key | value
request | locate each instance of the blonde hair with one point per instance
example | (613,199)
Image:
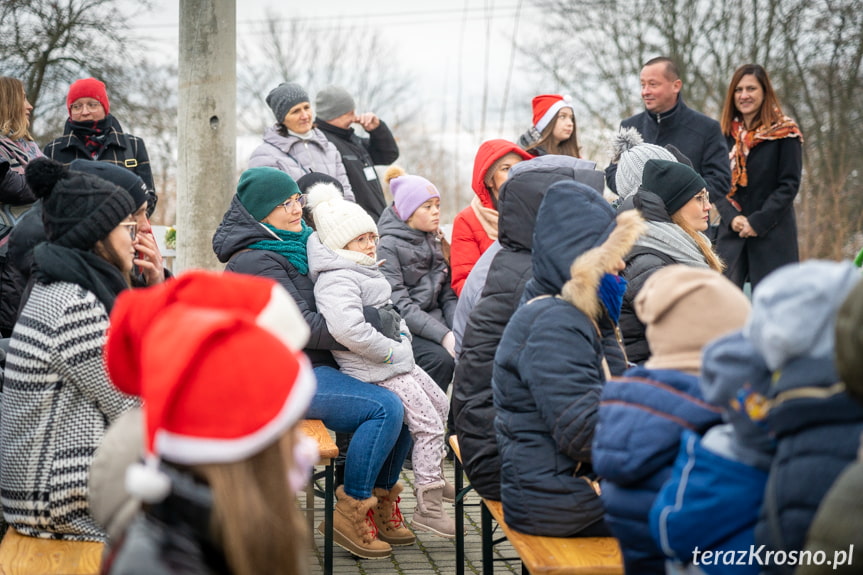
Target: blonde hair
(713,260)
(255,518)
(13,120)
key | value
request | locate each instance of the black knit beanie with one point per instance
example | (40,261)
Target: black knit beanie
(674,182)
(126,179)
(78,209)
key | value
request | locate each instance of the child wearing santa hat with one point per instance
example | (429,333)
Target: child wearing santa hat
(554,129)
(343,265)
(224,455)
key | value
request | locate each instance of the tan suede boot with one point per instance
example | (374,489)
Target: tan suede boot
(353,530)
(388,517)
(429,514)
(448,488)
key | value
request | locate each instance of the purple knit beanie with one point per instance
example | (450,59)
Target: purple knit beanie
(409,193)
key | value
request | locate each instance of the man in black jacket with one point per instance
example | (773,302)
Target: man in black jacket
(336,112)
(666,119)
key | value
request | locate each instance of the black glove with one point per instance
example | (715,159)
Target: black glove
(385,320)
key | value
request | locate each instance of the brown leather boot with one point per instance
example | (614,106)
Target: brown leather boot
(353,530)
(388,517)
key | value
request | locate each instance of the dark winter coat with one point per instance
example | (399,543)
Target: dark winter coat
(817,426)
(548,370)
(120,149)
(774,171)
(360,155)
(641,418)
(172,537)
(472,404)
(15,278)
(236,232)
(420,277)
(694,134)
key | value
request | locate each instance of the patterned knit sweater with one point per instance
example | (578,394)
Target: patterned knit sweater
(57,403)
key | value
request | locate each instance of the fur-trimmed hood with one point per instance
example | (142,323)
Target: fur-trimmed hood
(577,239)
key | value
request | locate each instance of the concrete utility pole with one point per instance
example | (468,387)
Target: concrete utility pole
(207,130)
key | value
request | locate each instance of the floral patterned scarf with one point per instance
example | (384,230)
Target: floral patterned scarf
(745,140)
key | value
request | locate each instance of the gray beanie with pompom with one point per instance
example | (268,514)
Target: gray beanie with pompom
(631,153)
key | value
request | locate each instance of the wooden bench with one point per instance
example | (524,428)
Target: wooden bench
(543,555)
(328,451)
(23,555)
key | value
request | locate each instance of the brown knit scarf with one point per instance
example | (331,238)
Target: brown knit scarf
(487,217)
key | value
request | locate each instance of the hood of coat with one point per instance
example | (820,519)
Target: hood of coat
(323,259)
(237,230)
(577,239)
(524,189)
(490,152)
(794,310)
(284,143)
(392,225)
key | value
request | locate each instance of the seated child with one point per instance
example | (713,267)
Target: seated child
(415,266)
(347,277)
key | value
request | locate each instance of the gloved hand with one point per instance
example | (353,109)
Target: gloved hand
(448,343)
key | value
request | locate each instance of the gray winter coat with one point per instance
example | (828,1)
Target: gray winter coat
(297,157)
(419,276)
(342,288)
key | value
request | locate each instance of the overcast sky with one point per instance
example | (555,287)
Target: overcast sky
(443,43)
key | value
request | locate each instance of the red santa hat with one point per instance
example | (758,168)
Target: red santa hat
(217,360)
(546,107)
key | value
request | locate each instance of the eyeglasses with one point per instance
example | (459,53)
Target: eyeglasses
(366,240)
(703,198)
(91,106)
(133,229)
(299,199)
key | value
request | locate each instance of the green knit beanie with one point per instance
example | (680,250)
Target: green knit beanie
(260,190)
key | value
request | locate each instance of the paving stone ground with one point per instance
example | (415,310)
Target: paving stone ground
(430,554)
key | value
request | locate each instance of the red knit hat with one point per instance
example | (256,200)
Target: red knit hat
(88,88)
(217,360)
(546,107)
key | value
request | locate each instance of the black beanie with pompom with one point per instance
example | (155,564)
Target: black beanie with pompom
(78,209)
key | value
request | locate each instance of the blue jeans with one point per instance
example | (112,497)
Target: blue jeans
(375,416)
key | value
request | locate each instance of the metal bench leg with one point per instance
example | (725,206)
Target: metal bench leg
(329,488)
(459,518)
(487,541)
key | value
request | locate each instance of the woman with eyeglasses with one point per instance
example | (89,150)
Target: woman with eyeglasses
(93,133)
(57,398)
(758,229)
(263,233)
(673,201)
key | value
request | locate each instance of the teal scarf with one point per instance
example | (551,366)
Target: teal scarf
(292,245)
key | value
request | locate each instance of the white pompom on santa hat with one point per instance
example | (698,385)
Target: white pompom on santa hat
(546,107)
(218,362)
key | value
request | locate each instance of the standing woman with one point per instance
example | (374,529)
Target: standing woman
(475,227)
(758,232)
(294,145)
(17,148)
(553,130)
(57,398)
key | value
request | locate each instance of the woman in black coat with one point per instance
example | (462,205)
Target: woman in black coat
(758,232)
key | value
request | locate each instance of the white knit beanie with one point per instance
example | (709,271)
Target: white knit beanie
(337,220)
(631,153)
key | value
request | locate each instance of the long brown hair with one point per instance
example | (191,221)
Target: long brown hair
(568,147)
(770,112)
(255,517)
(713,260)
(13,120)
